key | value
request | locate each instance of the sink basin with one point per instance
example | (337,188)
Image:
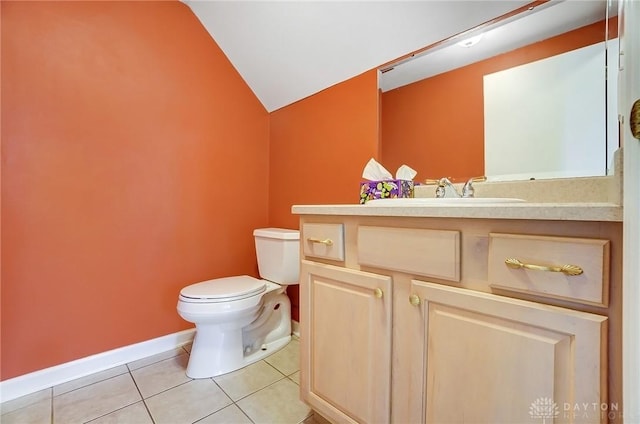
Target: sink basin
(446,201)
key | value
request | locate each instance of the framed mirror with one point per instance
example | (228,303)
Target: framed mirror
(525,96)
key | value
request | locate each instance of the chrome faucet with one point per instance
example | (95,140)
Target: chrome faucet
(445,186)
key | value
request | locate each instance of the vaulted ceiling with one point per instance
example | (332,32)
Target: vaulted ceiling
(289,50)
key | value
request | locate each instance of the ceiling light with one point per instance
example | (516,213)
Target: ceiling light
(470,41)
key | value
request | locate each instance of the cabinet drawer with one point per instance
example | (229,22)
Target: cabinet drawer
(538,263)
(432,253)
(323,241)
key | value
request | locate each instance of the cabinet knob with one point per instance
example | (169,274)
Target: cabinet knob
(327,242)
(378,293)
(414,299)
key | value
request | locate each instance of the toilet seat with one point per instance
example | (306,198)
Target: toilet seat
(226,289)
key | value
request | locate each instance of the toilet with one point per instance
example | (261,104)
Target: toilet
(241,319)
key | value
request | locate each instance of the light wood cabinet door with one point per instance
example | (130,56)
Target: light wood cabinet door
(493,359)
(345,338)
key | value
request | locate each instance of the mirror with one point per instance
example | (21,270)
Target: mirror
(529,100)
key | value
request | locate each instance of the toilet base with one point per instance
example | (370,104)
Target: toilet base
(210,361)
(219,348)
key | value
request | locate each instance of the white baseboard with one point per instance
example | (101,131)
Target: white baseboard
(49,377)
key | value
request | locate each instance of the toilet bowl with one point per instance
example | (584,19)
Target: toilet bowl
(241,319)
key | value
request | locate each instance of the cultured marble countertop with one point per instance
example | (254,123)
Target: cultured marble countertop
(526,210)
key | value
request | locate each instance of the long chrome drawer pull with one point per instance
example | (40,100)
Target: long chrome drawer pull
(565,269)
(328,242)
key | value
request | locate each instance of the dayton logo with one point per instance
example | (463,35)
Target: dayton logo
(544,408)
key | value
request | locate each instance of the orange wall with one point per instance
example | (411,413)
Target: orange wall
(319,147)
(436,125)
(134,162)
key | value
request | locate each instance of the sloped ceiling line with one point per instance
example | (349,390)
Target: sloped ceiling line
(289,50)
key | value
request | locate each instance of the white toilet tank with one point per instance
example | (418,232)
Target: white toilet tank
(278,253)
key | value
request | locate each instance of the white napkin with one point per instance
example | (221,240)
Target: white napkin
(373,171)
(405,173)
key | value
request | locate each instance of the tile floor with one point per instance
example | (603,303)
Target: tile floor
(156,390)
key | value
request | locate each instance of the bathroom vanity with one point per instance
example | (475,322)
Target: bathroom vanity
(412,315)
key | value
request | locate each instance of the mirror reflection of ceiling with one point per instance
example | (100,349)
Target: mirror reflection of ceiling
(543,22)
(289,50)
(558,76)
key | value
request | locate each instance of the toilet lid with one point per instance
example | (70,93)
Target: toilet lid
(224,289)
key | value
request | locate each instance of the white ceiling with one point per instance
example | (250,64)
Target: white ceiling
(545,21)
(289,50)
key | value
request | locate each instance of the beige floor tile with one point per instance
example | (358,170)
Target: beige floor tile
(287,359)
(278,403)
(36,413)
(188,402)
(162,375)
(295,377)
(132,414)
(95,400)
(230,414)
(262,391)
(247,380)
(90,379)
(155,358)
(21,402)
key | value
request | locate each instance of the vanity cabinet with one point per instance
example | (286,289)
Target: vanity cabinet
(421,321)
(491,359)
(346,353)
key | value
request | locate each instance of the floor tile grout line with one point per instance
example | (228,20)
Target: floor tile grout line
(53,395)
(51,406)
(165,390)
(115,410)
(122,407)
(284,377)
(156,362)
(26,405)
(141,397)
(256,391)
(130,371)
(311,412)
(277,369)
(265,387)
(244,413)
(215,412)
(144,400)
(220,409)
(222,389)
(281,375)
(153,421)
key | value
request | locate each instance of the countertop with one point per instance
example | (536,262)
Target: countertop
(538,211)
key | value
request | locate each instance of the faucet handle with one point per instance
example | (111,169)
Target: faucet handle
(477,179)
(444,183)
(468,190)
(437,181)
